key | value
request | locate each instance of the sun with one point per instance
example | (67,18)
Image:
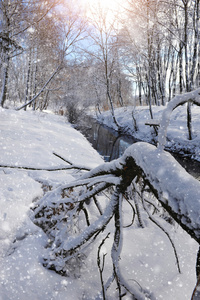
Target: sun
(110,7)
(104,4)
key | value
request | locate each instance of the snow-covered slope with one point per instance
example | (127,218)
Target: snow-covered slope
(29,139)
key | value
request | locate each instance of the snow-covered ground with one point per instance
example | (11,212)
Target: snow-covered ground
(29,139)
(177,133)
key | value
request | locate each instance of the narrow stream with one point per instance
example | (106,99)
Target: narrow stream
(111,146)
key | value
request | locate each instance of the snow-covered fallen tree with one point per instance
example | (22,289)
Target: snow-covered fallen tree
(142,168)
(73,215)
(156,171)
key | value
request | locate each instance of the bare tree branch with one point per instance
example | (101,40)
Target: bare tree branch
(101,267)
(42,89)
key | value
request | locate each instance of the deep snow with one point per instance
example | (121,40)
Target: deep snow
(28,139)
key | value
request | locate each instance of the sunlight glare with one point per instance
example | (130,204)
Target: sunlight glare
(111,7)
(105,4)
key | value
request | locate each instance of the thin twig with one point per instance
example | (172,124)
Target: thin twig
(134,213)
(67,161)
(164,230)
(97,205)
(101,268)
(86,216)
(38,169)
(74,166)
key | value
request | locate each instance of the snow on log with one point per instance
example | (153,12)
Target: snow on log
(177,190)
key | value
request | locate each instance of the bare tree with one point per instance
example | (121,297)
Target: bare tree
(104,48)
(17,17)
(68,29)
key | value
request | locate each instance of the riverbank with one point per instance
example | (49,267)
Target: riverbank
(177,133)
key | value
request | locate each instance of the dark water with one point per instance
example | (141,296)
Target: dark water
(106,141)
(111,146)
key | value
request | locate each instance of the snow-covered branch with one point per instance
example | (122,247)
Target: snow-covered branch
(176,190)
(193,96)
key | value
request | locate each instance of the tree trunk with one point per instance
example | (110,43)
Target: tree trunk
(189,121)
(180,56)
(108,92)
(121,102)
(28,80)
(112,109)
(196,44)
(188,85)
(35,87)
(5,83)
(149,45)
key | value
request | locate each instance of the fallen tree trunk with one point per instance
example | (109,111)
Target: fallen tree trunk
(175,189)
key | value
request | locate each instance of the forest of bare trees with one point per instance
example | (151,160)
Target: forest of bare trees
(153,52)
(144,56)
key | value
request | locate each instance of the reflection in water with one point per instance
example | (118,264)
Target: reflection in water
(111,146)
(107,142)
